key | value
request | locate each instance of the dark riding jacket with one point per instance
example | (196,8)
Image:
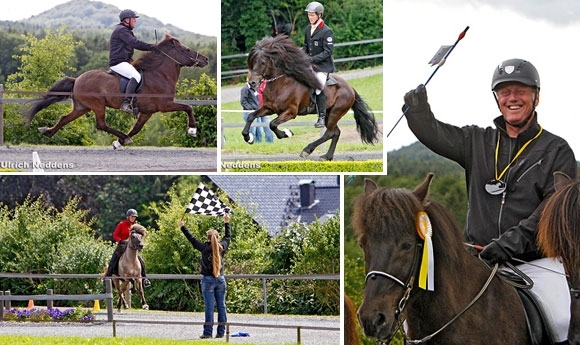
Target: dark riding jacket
(206,251)
(510,218)
(122,45)
(248,98)
(319,46)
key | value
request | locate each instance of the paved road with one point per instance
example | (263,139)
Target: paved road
(71,159)
(232,93)
(188,326)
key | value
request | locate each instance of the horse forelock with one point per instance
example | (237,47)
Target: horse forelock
(390,213)
(281,53)
(139,229)
(559,227)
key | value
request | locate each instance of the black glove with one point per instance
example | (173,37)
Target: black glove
(493,253)
(416,101)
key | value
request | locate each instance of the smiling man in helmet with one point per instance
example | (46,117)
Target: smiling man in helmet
(121,48)
(509,175)
(319,44)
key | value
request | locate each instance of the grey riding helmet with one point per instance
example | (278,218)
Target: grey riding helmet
(315,7)
(131,212)
(127,14)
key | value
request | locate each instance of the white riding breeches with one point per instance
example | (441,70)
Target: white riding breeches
(552,293)
(127,70)
(321,76)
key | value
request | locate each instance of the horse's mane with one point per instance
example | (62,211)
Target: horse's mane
(558,227)
(350,323)
(148,60)
(283,54)
(396,210)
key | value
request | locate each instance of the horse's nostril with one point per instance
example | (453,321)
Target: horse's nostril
(381,318)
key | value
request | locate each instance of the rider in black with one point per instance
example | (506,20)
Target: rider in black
(121,47)
(319,44)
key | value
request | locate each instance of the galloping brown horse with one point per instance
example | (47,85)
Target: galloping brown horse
(387,223)
(130,268)
(97,89)
(285,78)
(559,236)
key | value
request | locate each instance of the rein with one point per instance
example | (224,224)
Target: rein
(195,63)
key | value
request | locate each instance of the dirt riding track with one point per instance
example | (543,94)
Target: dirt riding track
(73,159)
(279,331)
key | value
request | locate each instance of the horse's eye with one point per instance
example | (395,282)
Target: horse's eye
(407,245)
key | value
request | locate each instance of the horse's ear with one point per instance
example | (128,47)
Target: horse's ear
(370,186)
(421,190)
(561,180)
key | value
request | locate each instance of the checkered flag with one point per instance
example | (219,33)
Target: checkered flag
(205,202)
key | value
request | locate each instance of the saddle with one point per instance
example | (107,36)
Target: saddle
(539,332)
(123,81)
(311,109)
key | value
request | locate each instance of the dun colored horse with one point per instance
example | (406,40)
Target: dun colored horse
(559,236)
(285,78)
(390,225)
(130,268)
(97,89)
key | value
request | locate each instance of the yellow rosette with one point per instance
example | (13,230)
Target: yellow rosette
(427,271)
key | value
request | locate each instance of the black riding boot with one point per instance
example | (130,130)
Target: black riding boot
(321,105)
(113,264)
(146,282)
(128,105)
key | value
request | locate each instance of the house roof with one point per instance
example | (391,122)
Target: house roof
(275,200)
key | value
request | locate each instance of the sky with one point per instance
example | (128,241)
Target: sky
(459,93)
(201,17)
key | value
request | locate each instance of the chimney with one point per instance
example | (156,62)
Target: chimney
(307,193)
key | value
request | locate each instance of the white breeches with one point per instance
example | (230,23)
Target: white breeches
(552,292)
(127,70)
(321,76)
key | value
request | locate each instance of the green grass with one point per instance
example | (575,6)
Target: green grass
(34,340)
(371,90)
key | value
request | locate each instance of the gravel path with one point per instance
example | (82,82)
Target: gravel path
(70,159)
(190,328)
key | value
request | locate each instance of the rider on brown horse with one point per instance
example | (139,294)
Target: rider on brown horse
(319,44)
(121,47)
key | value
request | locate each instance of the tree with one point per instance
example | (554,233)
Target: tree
(44,60)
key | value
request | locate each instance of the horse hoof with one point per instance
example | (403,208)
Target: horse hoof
(128,141)
(192,131)
(325,159)
(304,154)
(42,130)
(288,132)
(116,144)
(145,307)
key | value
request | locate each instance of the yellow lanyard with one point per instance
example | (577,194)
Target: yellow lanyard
(516,156)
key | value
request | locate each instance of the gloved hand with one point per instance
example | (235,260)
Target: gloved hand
(493,253)
(155,49)
(416,101)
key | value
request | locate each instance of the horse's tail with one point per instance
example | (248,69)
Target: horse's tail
(365,120)
(66,84)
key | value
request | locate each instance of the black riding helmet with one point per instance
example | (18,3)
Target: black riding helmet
(517,70)
(127,14)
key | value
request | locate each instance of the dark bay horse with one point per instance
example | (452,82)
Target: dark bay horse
(283,73)
(559,236)
(97,89)
(350,323)
(130,268)
(460,309)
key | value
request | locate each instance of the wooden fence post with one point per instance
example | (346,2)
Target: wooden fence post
(109,289)
(7,303)
(49,303)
